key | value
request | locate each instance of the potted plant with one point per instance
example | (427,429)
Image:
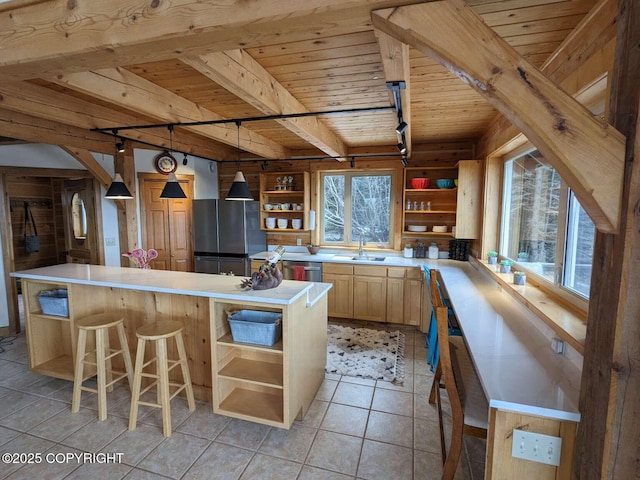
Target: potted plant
(523,257)
(505,266)
(519,278)
(492,257)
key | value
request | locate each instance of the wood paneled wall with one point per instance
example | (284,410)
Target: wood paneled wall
(440,154)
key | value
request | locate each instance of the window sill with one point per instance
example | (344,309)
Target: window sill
(569,324)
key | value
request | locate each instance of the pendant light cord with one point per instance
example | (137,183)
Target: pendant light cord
(238,125)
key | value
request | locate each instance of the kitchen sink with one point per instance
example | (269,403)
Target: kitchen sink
(363,258)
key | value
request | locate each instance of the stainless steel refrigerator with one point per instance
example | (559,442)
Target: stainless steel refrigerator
(225,234)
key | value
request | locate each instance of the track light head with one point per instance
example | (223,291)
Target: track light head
(120,146)
(402,127)
(405,161)
(402,147)
(353,162)
(185,159)
(264,165)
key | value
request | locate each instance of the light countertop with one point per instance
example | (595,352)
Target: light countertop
(328,256)
(184,283)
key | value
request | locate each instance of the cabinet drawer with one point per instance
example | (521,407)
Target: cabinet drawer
(367,271)
(337,268)
(414,273)
(396,272)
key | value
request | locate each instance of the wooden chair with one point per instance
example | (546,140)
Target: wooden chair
(456,374)
(100,359)
(159,332)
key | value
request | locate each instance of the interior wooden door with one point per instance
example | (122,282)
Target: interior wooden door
(80,226)
(166,223)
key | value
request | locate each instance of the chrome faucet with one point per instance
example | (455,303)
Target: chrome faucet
(361,244)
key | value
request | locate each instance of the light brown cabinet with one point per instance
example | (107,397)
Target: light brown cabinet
(379,294)
(459,206)
(285,196)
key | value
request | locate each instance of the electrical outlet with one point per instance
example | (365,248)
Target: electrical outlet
(110,241)
(536,447)
(557,345)
(299,242)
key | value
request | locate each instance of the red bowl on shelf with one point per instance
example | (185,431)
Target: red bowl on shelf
(419,183)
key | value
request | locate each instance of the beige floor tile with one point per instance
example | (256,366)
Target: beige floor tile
(204,423)
(345,419)
(136,444)
(33,414)
(423,409)
(264,467)
(360,381)
(326,390)
(426,466)
(93,436)
(426,435)
(332,376)
(313,473)
(63,424)
(315,414)
(174,455)
(241,433)
(335,452)
(421,367)
(292,444)
(391,401)
(219,462)
(390,428)
(406,386)
(354,395)
(23,443)
(422,384)
(381,461)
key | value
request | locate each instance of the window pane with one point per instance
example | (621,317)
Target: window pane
(533,213)
(370,207)
(333,208)
(579,252)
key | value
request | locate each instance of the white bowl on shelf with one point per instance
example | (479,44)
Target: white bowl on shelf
(439,229)
(417,228)
(283,222)
(270,222)
(296,223)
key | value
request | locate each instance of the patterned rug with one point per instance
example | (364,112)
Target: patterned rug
(365,353)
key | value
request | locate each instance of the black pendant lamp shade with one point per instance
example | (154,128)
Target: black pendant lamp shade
(118,190)
(239,189)
(172,188)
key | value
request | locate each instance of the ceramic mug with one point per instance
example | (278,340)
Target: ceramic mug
(285,206)
(283,223)
(268,206)
(299,206)
(296,223)
(270,222)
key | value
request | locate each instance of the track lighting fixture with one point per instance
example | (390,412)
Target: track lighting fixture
(353,162)
(405,161)
(172,188)
(402,147)
(120,146)
(239,189)
(402,127)
(185,160)
(264,165)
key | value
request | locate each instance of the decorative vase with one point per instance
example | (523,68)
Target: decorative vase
(519,279)
(505,267)
(493,260)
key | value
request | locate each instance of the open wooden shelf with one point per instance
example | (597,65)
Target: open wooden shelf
(254,371)
(253,405)
(38,314)
(227,340)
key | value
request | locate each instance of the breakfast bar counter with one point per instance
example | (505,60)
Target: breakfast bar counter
(266,384)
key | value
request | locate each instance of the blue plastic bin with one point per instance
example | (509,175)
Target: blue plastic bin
(54,302)
(255,326)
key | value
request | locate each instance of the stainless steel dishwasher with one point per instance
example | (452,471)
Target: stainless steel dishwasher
(312,270)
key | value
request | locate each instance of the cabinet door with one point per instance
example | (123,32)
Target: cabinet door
(370,298)
(469,198)
(412,302)
(340,297)
(395,300)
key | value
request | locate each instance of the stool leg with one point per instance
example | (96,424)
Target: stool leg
(182,355)
(108,371)
(101,373)
(135,389)
(124,346)
(162,364)
(78,370)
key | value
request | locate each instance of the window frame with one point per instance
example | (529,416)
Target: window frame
(348,242)
(556,286)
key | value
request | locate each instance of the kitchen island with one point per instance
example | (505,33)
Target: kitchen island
(270,385)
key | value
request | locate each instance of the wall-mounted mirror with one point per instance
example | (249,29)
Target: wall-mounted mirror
(79,218)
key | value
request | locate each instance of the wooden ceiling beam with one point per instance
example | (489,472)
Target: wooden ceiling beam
(121,87)
(588,154)
(242,75)
(39,101)
(87,160)
(395,62)
(49,38)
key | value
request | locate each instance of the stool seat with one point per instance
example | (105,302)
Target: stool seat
(159,332)
(100,358)
(160,329)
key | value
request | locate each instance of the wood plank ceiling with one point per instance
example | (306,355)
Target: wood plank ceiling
(334,66)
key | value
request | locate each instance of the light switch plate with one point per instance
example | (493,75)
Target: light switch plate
(536,447)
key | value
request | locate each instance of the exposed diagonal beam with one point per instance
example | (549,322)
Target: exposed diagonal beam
(53,37)
(121,87)
(85,158)
(395,62)
(588,154)
(30,99)
(243,76)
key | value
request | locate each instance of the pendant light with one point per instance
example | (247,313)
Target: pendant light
(239,189)
(172,188)
(118,190)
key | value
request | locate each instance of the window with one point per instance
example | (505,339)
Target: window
(353,203)
(544,228)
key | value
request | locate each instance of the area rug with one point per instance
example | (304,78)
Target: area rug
(365,353)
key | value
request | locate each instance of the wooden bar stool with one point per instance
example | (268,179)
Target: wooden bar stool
(100,358)
(159,332)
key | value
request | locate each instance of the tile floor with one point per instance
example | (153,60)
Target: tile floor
(355,429)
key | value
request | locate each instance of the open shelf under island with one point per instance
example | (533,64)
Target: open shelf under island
(270,385)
